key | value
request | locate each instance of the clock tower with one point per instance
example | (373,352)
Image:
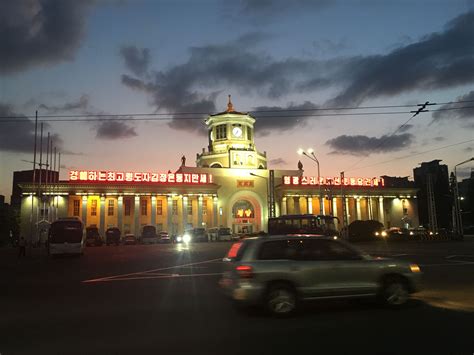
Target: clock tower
(231,142)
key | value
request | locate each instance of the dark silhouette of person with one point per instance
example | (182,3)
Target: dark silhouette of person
(22,247)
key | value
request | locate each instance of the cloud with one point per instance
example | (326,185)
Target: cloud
(114,130)
(266,122)
(81,104)
(437,61)
(405,128)
(40,32)
(18,136)
(364,145)
(439,139)
(278,161)
(270,10)
(136,60)
(451,111)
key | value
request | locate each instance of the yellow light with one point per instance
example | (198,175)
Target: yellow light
(310,150)
(415,268)
(384,234)
(300,151)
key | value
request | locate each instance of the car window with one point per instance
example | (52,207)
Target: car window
(279,249)
(326,250)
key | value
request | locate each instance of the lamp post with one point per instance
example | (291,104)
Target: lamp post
(310,155)
(268,193)
(457,204)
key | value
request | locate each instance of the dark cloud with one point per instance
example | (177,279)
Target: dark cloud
(19,136)
(268,10)
(136,60)
(81,104)
(280,118)
(405,128)
(38,32)
(278,161)
(452,111)
(438,61)
(364,145)
(114,130)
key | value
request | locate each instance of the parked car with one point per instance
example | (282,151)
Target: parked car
(129,239)
(195,235)
(219,234)
(365,230)
(164,237)
(281,271)
(112,236)
(149,235)
(93,237)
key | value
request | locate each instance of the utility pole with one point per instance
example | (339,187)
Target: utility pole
(34,182)
(345,226)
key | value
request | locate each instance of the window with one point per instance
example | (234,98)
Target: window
(94,208)
(279,249)
(144,207)
(221,131)
(326,250)
(110,210)
(190,207)
(128,206)
(175,208)
(249,133)
(204,206)
(76,208)
(159,207)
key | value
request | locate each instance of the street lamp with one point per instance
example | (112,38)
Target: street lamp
(268,193)
(309,153)
(457,204)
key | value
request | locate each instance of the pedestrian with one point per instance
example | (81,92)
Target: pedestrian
(22,245)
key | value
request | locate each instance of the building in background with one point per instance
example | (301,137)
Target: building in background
(466,196)
(434,196)
(230,185)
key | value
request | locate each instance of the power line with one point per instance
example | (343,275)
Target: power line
(148,116)
(173,115)
(415,154)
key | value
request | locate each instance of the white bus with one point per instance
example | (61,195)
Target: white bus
(66,236)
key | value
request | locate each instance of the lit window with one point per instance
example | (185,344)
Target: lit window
(159,207)
(204,207)
(190,207)
(128,206)
(144,207)
(76,209)
(94,208)
(110,210)
(174,210)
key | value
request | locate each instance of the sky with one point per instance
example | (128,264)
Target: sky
(305,61)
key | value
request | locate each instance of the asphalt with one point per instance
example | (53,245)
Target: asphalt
(164,299)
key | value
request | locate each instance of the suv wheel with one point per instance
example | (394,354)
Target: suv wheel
(395,292)
(281,300)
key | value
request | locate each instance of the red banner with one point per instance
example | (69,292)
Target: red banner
(138,177)
(335,181)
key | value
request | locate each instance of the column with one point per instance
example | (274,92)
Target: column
(185,212)
(334,211)
(323,205)
(310,205)
(199,211)
(169,216)
(102,215)
(348,213)
(284,208)
(381,211)
(153,211)
(84,210)
(120,213)
(216,215)
(358,214)
(136,216)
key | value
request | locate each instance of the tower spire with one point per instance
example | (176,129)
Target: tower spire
(230,107)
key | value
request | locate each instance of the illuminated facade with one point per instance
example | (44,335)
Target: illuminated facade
(230,186)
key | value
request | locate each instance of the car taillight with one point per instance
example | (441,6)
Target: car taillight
(234,249)
(244,271)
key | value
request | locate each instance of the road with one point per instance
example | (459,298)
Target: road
(164,299)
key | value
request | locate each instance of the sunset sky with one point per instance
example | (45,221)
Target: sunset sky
(69,57)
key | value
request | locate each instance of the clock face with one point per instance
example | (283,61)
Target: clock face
(237,131)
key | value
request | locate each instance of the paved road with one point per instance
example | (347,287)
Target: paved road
(164,299)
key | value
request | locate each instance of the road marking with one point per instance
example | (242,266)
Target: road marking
(148,271)
(169,276)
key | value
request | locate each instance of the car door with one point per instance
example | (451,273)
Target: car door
(328,268)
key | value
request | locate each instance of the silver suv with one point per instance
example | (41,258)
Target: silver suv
(280,271)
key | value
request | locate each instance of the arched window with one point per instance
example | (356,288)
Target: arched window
(216,165)
(250,160)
